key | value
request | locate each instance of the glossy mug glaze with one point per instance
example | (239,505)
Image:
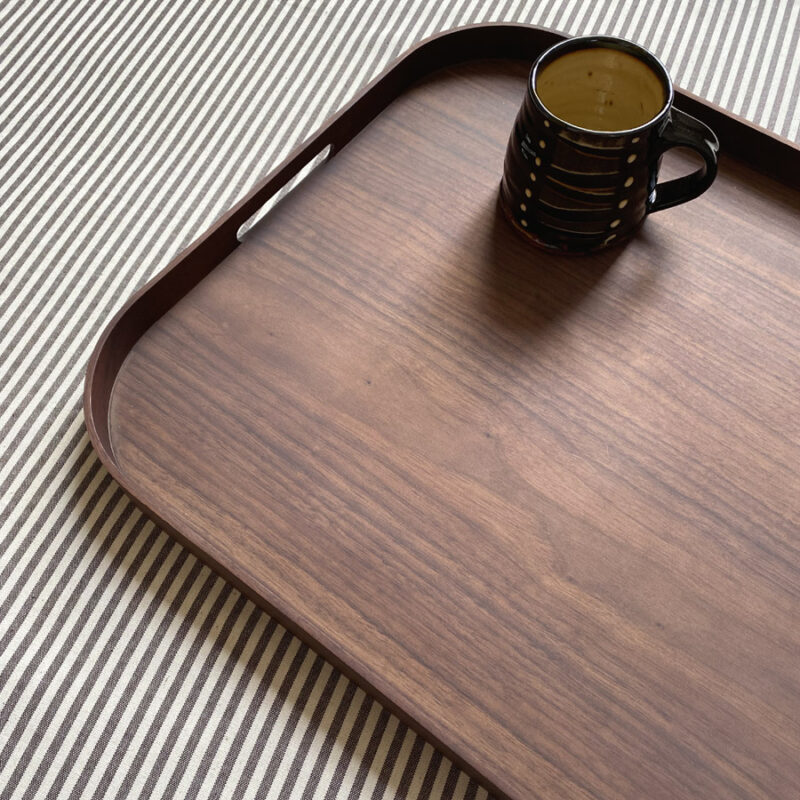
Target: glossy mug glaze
(581,168)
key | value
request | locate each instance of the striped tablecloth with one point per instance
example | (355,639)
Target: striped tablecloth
(127,669)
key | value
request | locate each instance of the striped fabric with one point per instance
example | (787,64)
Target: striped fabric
(126,668)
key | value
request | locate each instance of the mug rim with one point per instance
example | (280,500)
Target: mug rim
(611,43)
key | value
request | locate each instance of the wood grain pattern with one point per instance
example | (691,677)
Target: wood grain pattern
(547,508)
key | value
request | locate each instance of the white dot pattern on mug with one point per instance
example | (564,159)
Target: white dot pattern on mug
(583,201)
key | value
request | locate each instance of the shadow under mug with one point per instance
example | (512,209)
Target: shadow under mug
(581,168)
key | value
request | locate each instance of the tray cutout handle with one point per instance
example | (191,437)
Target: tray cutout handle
(320,158)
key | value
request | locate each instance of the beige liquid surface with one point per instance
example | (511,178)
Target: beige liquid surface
(601,89)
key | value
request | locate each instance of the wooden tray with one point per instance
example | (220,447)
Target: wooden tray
(545,508)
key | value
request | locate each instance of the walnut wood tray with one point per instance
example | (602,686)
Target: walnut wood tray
(546,508)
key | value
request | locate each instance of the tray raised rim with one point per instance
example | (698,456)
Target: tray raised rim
(759,148)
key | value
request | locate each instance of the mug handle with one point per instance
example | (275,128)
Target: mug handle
(683,130)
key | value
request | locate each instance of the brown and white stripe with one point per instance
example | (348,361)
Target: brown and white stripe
(127,669)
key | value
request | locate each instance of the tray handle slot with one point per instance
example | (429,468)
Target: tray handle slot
(288,187)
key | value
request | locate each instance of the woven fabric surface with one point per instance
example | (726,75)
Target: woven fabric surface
(128,669)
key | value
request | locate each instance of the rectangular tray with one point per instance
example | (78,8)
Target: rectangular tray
(546,508)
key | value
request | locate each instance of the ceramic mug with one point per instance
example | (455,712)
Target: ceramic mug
(581,168)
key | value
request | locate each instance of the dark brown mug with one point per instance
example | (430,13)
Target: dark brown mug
(581,168)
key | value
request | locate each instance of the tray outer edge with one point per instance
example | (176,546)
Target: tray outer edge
(765,151)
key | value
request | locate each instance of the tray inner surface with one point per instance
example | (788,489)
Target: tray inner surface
(547,506)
